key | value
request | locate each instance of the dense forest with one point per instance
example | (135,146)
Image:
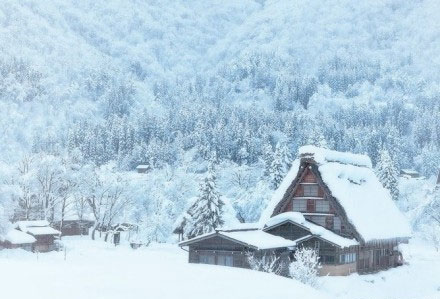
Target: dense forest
(187,86)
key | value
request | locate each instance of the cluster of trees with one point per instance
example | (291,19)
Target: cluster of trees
(55,188)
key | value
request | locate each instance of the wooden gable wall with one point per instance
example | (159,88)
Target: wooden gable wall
(309,173)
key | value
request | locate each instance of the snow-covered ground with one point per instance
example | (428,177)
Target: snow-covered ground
(96,270)
(93,270)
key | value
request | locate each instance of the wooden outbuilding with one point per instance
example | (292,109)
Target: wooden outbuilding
(44,234)
(74,227)
(143,168)
(231,247)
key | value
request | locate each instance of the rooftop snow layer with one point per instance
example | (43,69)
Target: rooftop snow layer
(36,227)
(314,229)
(279,193)
(323,155)
(39,231)
(253,238)
(17,237)
(367,203)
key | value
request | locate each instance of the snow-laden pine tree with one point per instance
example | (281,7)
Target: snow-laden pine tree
(279,165)
(267,157)
(207,210)
(387,173)
(277,169)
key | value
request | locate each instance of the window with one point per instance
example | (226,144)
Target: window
(225,260)
(317,245)
(347,258)
(299,205)
(311,207)
(336,223)
(207,259)
(322,206)
(327,259)
(329,222)
(311,190)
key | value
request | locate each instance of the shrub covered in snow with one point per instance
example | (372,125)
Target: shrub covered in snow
(264,262)
(305,265)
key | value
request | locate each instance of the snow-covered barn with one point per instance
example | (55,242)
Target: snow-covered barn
(333,202)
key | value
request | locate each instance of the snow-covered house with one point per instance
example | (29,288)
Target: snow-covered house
(17,239)
(44,234)
(332,202)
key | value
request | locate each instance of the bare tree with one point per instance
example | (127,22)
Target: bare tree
(264,262)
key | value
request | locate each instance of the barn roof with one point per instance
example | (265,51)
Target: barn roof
(314,229)
(256,239)
(352,182)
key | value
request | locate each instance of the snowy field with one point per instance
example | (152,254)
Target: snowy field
(94,270)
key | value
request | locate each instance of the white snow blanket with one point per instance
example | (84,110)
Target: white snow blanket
(37,227)
(316,230)
(17,237)
(352,182)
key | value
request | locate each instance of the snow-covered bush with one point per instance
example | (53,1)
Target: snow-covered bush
(305,266)
(264,262)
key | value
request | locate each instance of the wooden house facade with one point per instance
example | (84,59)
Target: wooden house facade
(74,227)
(331,202)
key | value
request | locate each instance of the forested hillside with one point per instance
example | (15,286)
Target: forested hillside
(91,89)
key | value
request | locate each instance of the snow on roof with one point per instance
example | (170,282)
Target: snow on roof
(409,171)
(142,166)
(242,226)
(253,238)
(367,203)
(314,229)
(36,227)
(46,230)
(17,237)
(323,155)
(279,193)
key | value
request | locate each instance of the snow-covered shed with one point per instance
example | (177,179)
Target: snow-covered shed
(17,239)
(409,173)
(44,234)
(74,225)
(143,168)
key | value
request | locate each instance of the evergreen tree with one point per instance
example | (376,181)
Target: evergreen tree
(207,211)
(388,174)
(277,168)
